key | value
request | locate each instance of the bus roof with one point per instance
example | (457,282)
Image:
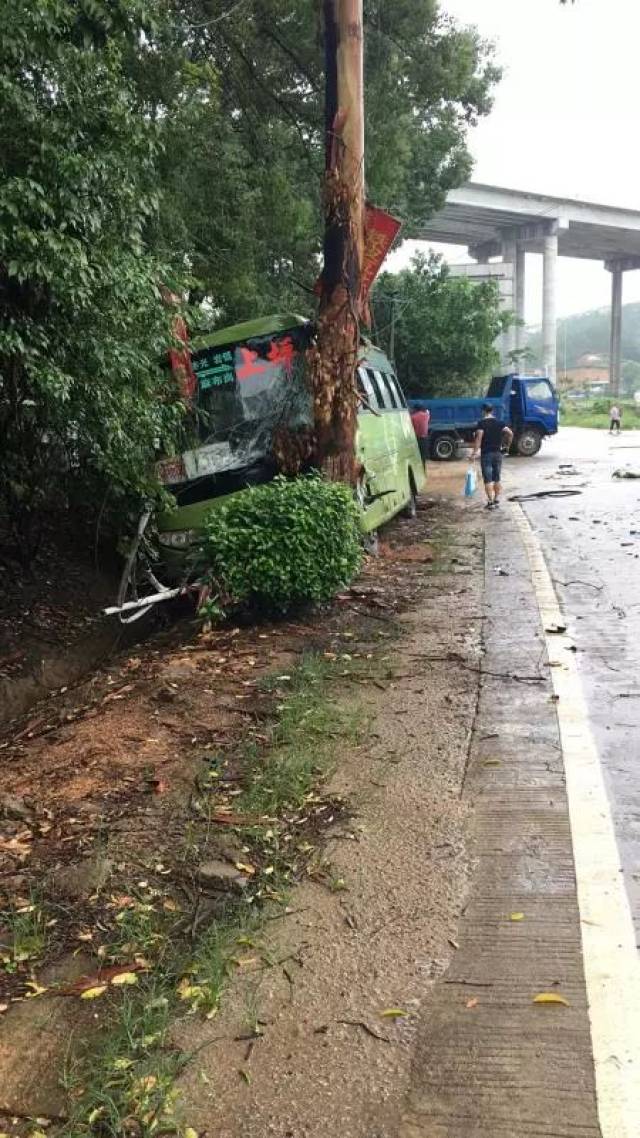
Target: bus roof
(264,326)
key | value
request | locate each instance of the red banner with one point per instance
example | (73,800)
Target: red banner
(180,361)
(380,231)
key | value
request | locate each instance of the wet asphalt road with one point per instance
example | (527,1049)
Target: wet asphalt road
(592,546)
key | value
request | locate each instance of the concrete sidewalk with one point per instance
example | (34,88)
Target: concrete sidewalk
(491,1063)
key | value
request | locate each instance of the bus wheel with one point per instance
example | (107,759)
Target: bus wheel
(529,442)
(411,508)
(371,543)
(444,447)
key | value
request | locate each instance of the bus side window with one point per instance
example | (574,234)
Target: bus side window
(382,399)
(365,386)
(389,390)
(397,390)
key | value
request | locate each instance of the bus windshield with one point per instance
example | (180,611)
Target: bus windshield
(246,390)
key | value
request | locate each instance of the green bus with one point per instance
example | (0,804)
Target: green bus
(250,382)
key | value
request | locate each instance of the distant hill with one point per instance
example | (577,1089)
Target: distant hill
(587,333)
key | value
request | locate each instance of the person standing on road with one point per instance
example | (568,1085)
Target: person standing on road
(420,421)
(490,438)
(615,416)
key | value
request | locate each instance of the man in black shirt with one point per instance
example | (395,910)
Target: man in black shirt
(491,436)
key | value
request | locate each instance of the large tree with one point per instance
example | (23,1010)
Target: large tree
(441,329)
(245,159)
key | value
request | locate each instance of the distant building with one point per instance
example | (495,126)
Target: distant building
(584,377)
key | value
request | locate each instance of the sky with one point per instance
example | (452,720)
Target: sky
(565,121)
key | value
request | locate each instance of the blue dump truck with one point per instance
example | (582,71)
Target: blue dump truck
(527,404)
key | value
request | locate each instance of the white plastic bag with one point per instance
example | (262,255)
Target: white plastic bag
(470,483)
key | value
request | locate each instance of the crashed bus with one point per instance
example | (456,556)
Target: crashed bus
(249,386)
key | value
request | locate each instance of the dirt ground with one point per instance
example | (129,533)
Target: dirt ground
(52,631)
(97,790)
(339,1013)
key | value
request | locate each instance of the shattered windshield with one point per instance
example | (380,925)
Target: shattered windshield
(246,391)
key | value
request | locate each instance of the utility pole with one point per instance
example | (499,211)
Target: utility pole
(335,357)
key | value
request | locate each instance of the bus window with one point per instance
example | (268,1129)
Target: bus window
(246,391)
(376,382)
(366,388)
(399,393)
(389,391)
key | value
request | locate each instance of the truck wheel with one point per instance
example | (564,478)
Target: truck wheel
(529,442)
(444,447)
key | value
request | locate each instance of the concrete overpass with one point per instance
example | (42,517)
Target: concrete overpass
(496,222)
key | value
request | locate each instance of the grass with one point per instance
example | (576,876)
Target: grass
(25,935)
(127,1084)
(595,414)
(302,741)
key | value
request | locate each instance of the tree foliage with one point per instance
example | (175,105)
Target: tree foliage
(151,141)
(246,154)
(588,334)
(83,326)
(440,328)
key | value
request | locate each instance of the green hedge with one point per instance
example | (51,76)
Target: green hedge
(284,544)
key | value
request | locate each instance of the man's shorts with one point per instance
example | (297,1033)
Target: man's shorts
(491,464)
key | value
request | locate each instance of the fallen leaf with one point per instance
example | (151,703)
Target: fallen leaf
(124,978)
(246,961)
(146,1083)
(394,1013)
(472,1003)
(244,867)
(189,1132)
(550,998)
(4,1008)
(188,991)
(102,978)
(36,989)
(170,906)
(492,763)
(244,1075)
(93,993)
(516,917)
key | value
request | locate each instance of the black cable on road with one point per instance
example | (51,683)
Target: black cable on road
(543,494)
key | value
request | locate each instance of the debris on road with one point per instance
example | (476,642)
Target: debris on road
(626,472)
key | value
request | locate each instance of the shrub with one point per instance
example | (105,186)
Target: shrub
(283,544)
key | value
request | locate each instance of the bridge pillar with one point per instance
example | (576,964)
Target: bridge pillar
(509,256)
(521,334)
(549,318)
(615,340)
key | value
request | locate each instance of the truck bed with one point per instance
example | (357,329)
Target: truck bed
(456,414)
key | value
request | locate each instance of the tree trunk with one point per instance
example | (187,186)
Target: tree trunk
(334,358)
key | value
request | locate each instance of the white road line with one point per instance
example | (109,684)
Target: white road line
(611,961)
